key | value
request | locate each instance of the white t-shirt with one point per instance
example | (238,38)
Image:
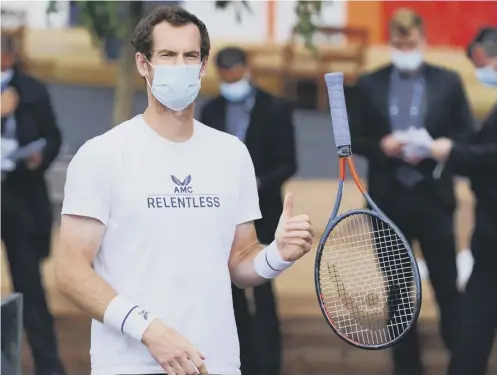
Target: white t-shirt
(171,210)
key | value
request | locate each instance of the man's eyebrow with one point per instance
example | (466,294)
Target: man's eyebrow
(193,52)
(171,52)
(161,51)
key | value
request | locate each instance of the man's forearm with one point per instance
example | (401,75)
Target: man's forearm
(242,269)
(92,294)
(256,265)
(82,286)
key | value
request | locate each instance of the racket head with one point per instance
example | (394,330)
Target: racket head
(355,286)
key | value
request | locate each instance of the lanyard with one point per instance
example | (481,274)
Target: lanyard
(414,108)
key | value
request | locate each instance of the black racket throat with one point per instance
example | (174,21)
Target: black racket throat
(344,151)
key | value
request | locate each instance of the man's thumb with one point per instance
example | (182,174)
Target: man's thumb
(288,206)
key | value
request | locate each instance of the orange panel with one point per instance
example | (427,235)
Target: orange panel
(449,23)
(367,14)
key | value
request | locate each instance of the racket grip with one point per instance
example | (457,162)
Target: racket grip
(338,109)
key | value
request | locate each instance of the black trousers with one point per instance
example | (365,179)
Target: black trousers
(259,335)
(26,241)
(479,311)
(421,216)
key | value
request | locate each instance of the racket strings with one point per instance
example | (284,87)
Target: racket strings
(367,281)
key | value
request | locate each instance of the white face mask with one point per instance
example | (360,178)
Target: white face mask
(236,91)
(407,60)
(176,86)
(487,75)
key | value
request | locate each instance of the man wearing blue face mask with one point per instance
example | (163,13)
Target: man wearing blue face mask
(158,221)
(477,159)
(412,95)
(264,123)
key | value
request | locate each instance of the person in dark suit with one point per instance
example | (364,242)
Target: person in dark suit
(26,208)
(477,159)
(412,93)
(264,123)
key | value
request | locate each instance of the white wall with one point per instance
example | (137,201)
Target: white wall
(35,11)
(222,24)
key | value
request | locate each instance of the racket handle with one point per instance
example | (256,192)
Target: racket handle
(338,109)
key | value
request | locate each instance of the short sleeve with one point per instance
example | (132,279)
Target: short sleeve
(88,183)
(248,198)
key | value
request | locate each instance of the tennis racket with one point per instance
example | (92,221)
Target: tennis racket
(367,280)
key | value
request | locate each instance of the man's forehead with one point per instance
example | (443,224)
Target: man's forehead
(176,38)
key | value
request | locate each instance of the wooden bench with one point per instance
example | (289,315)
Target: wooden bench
(337,49)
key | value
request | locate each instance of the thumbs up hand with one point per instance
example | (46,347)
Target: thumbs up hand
(294,234)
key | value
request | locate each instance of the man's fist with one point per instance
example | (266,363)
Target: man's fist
(34,161)
(391,146)
(294,234)
(440,149)
(172,351)
(10,100)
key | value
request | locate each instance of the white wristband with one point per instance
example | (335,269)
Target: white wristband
(269,264)
(127,318)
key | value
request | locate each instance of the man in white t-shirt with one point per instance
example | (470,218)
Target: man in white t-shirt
(158,219)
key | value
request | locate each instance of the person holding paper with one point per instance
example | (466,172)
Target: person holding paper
(411,97)
(477,159)
(27,117)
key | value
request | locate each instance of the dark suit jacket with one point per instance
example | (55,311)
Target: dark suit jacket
(35,119)
(447,115)
(477,159)
(24,189)
(270,140)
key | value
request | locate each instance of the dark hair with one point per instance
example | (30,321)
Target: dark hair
(404,20)
(485,38)
(174,15)
(230,57)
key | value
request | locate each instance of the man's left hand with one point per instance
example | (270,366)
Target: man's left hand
(10,100)
(294,234)
(441,148)
(34,161)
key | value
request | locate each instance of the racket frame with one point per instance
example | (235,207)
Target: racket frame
(345,158)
